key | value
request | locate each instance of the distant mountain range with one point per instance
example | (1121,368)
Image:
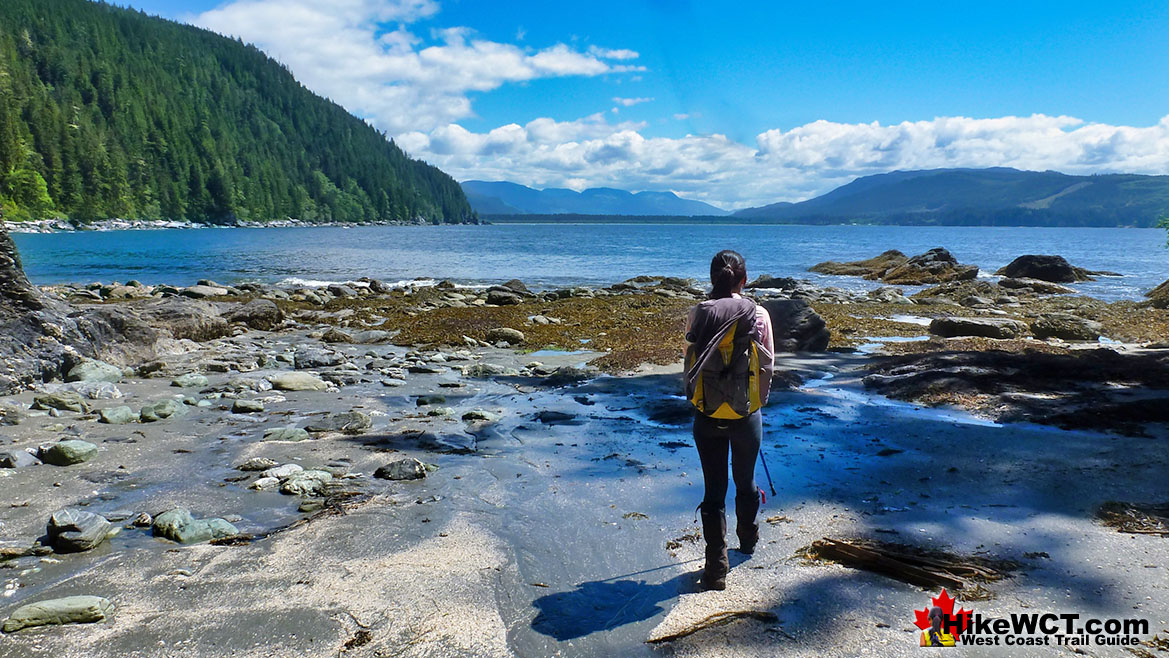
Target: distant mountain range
(502,198)
(990,197)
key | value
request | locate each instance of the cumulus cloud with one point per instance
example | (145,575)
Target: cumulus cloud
(363,55)
(783,165)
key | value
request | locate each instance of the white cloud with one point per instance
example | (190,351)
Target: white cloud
(630,102)
(361,54)
(783,165)
(368,56)
(606,53)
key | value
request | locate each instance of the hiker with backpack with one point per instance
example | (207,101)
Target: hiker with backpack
(729,361)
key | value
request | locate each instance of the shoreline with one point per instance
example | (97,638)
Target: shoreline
(107,225)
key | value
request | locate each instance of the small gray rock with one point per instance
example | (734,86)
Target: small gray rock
(281,472)
(505,335)
(190,380)
(247,407)
(305,483)
(161,410)
(257,464)
(17,459)
(481,415)
(403,469)
(286,434)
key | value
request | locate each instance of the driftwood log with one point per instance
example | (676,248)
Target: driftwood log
(908,564)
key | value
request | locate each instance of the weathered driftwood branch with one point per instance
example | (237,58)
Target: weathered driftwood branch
(717,619)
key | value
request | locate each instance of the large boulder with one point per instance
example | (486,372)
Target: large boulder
(1067,327)
(950,327)
(68,610)
(796,327)
(72,530)
(1055,269)
(261,314)
(934,266)
(42,338)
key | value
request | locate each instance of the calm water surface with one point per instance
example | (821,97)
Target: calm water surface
(557,255)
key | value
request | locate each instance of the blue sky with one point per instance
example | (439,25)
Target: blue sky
(734,103)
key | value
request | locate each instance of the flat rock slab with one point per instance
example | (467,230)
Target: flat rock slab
(68,610)
(950,327)
(286,434)
(350,422)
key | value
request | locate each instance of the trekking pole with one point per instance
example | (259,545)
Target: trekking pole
(768,472)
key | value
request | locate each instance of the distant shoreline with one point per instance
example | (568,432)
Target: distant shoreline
(65,226)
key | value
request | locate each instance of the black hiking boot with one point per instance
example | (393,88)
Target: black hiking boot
(714,531)
(746,525)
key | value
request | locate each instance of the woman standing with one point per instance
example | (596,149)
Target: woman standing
(729,361)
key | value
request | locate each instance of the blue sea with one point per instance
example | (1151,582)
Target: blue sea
(561,255)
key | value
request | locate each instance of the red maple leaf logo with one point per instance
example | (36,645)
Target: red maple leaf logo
(946,603)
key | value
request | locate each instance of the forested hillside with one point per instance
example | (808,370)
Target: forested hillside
(106,112)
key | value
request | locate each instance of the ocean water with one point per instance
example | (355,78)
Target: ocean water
(559,255)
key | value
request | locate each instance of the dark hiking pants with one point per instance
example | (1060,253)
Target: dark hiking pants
(714,439)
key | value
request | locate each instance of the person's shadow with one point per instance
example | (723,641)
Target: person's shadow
(602,605)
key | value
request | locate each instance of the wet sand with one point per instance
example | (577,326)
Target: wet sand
(550,537)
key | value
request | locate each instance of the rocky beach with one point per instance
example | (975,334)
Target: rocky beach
(424,468)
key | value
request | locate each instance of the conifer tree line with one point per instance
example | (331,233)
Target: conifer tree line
(107,112)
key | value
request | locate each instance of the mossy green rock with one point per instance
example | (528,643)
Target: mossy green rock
(178,525)
(286,434)
(161,410)
(91,370)
(117,415)
(189,380)
(68,452)
(62,401)
(68,610)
